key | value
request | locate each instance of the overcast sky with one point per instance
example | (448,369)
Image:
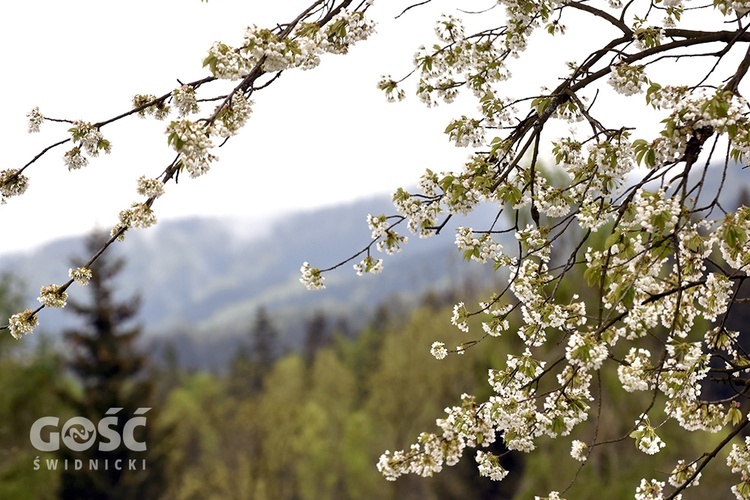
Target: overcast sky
(315,138)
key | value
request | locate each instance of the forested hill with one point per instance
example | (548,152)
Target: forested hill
(202,280)
(207,277)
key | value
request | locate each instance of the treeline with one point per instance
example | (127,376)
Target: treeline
(309,424)
(315,423)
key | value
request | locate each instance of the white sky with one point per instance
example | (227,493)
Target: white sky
(315,138)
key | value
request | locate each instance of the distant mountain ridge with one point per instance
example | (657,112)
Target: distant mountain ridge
(202,280)
(207,276)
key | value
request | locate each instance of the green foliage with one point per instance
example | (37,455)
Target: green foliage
(315,430)
(28,391)
(29,387)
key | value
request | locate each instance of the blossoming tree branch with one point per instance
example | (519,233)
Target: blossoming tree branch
(655,262)
(236,74)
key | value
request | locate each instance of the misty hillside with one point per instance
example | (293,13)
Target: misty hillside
(202,280)
(207,276)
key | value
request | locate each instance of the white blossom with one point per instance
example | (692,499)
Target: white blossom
(646,438)
(36,118)
(369,265)
(22,323)
(311,277)
(459,317)
(650,490)
(150,188)
(12,183)
(627,79)
(139,215)
(489,466)
(81,275)
(185,101)
(191,141)
(579,450)
(438,350)
(52,296)
(74,159)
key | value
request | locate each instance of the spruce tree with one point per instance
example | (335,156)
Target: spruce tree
(109,366)
(251,365)
(317,336)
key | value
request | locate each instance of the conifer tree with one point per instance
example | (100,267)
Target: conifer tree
(106,360)
(317,336)
(250,366)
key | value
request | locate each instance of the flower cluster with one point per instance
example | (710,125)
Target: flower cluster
(369,265)
(646,37)
(480,249)
(636,373)
(275,51)
(231,118)
(12,183)
(421,215)
(739,462)
(438,350)
(714,295)
(311,277)
(579,450)
(191,140)
(87,139)
(466,132)
(22,323)
(489,466)
(36,118)
(392,91)
(90,138)
(185,101)
(147,104)
(553,495)
(139,215)
(646,438)
(457,62)
(391,243)
(551,201)
(523,18)
(684,472)
(150,188)
(81,275)
(727,7)
(733,238)
(650,490)
(460,315)
(586,351)
(53,296)
(498,324)
(627,79)
(74,159)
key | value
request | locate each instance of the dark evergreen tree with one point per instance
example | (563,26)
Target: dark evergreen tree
(105,359)
(317,336)
(252,363)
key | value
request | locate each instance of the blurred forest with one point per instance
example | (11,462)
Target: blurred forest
(311,424)
(306,420)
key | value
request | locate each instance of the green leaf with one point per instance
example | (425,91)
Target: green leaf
(540,104)
(734,416)
(592,275)
(612,239)
(644,153)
